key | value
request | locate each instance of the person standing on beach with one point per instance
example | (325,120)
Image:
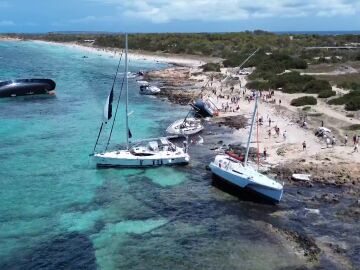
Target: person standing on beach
(284,135)
(269,121)
(328,141)
(304,146)
(356,148)
(346,139)
(333,141)
(354,139)
(265,153)
(322,123)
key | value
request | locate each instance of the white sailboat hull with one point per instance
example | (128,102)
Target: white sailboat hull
(125,158)
(191,127)
(246,177)
(149,90)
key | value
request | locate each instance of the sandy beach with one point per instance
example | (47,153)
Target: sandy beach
(330,166)
(186,82)
(181,60)
(189,83)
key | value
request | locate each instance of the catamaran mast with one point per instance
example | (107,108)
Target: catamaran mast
(127,91)
(251,129)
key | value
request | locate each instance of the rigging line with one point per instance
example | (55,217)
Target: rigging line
(112,88)
(117,71)
(97,140)
(257,139)
(116,111)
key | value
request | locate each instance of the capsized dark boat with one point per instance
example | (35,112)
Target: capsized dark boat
(24,87)
(205,108)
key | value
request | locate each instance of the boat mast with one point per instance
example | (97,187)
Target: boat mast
(127,91)
(251,129)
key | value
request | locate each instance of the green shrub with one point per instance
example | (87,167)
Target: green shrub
(306,108)
(258,85)
(317,86)
(305,100)
(353,104)
(349,85)
(353,127)
(211,67)
(291,82)
(344,99)
(326,94)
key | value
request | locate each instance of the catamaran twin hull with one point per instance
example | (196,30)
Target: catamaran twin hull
(127,159)
(250,179)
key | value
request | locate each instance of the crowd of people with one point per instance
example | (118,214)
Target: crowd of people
(231,103)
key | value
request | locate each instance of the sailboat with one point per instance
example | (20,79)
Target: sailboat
(244,175)
(186,127)
(145,153)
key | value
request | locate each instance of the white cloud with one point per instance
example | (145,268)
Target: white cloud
(162,11)
(89,19)
(6,23)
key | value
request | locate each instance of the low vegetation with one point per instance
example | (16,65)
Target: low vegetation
(302,101)
(234,47)
(292,82)
(350,100)
(350,85)
(353,127)
(326,94)
(215,67)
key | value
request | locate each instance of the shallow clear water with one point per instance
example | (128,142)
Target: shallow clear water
(59,211)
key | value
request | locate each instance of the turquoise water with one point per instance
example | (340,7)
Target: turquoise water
(59,211)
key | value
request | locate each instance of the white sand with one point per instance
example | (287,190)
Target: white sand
(134,55)
(285,117)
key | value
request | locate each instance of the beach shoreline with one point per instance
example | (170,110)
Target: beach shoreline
(329,166)
(159,57)
(184,85)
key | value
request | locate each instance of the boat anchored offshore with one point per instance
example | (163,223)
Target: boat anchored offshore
(187,126)
(25,87)
(146,153)
(243,175)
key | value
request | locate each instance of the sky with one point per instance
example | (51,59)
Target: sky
(34,16)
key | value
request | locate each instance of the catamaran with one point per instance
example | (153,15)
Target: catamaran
(146,153)
(243,174)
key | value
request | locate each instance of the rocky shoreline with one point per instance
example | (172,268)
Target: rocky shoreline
(327,173)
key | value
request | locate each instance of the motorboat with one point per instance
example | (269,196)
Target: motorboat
(187,126)
(242,174)
(146,153)
(205,108)
(24,87)
(149,89)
